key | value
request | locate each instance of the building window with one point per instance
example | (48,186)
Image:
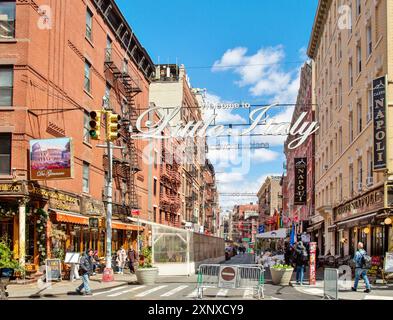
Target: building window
(369,36)
(5,153)
(7,19)
(86,177)
(350,21)
(155,186)
(350,74)
(340,141)
(360,174)
(351,180)
(89,24)
(350,127)
(378,241)
(86,127)
(339,48)
(359,58)
(369,168)
(359,116)
(369,104)
(340,93)
(87,84)
(6,85)
(108,93)
(340,181)
(358,7)
(108,50)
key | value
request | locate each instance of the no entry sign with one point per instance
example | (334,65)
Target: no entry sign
(227,277)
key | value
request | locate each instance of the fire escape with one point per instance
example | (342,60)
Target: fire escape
(126,168)
(170,179)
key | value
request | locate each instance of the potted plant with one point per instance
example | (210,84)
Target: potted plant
(7,260)
(281,274)
(146,274)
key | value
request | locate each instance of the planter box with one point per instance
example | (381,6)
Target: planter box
(146,276)
(281,277)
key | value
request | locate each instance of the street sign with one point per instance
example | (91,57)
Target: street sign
(261,229)
(227,277)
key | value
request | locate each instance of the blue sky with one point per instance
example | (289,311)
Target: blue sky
(268,36)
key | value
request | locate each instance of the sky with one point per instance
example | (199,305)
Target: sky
(239,51)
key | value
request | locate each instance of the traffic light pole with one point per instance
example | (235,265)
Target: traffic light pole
(109,208)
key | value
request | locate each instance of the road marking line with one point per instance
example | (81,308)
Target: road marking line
(248,294)
(145,293)
(111,290)
(193,294)
(125,291)
(222,293)
(369,297)
(172,292)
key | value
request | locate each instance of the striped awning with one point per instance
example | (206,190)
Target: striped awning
(70,217)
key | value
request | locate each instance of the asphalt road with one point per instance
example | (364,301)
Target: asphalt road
(184,288)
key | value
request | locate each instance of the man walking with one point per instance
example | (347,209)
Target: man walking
(361,268)
(86,269)
(131,259)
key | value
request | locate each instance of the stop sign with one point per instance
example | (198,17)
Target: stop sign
(228,273)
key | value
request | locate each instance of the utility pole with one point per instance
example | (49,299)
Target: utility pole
(109,207)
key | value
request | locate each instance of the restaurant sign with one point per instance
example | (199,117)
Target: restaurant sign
(367,203)
(300,197)
(92,207)
(379,122)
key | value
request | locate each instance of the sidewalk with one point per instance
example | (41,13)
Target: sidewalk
(379,291)
(66,287)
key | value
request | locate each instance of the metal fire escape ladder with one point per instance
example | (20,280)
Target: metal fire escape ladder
(130,90)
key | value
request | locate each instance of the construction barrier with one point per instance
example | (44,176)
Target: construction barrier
(246,276)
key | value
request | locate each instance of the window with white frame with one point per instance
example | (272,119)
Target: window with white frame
(86,127)
(360,174)
(369,39)
(6,85)
(350,171)
(350,74)
(359,58)
(7,19)
(340,92)
(86,177)
(340,182)
(89,24)
(369,104)
(369,167)
(5,153)
(350,119)
(359,116)
(358,8)
(340,141)
(87,83)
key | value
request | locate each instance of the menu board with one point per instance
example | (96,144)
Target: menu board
(53,269)
(389,262)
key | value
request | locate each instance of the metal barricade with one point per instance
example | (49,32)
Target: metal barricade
(248,277)
(330,286)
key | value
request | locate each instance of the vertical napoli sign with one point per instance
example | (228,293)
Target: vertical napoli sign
(300,181)
(379,122)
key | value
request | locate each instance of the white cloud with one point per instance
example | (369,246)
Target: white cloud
(262,72)
(264,155)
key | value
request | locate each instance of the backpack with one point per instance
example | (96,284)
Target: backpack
(366,261)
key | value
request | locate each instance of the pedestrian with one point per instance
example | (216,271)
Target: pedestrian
(74,267)
(121,259)
(287,253)
(361,267)
(86,269)
(300,261)
(132,258)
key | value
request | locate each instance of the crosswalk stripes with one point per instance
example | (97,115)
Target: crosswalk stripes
(125,291)
(248,294)
(145,293)
(371,297)
(174,291)
(193,294)
(222,293)
(108,291)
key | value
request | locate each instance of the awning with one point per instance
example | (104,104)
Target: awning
(70,217)
(276,234)
(357,221)
(315,227)
(126,226)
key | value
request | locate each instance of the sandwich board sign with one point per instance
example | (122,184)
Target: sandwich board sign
(227,277)
(53,269)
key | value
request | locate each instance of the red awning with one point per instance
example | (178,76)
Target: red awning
(70,217)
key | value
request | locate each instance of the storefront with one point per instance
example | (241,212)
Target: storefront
(357,221)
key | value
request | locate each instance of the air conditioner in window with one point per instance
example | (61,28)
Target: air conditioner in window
(370,181)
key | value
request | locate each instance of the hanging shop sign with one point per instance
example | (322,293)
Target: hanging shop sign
(51,159)
(313,257)
(11,189)
(379,122)
(93,223)
(300,197)
(92,207)
(389,194)
(369,202)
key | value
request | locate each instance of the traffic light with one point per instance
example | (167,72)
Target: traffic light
(112,126)
(95,124)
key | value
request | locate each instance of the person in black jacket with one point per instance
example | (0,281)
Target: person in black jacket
(85,269)
(301,261)
(131,259)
